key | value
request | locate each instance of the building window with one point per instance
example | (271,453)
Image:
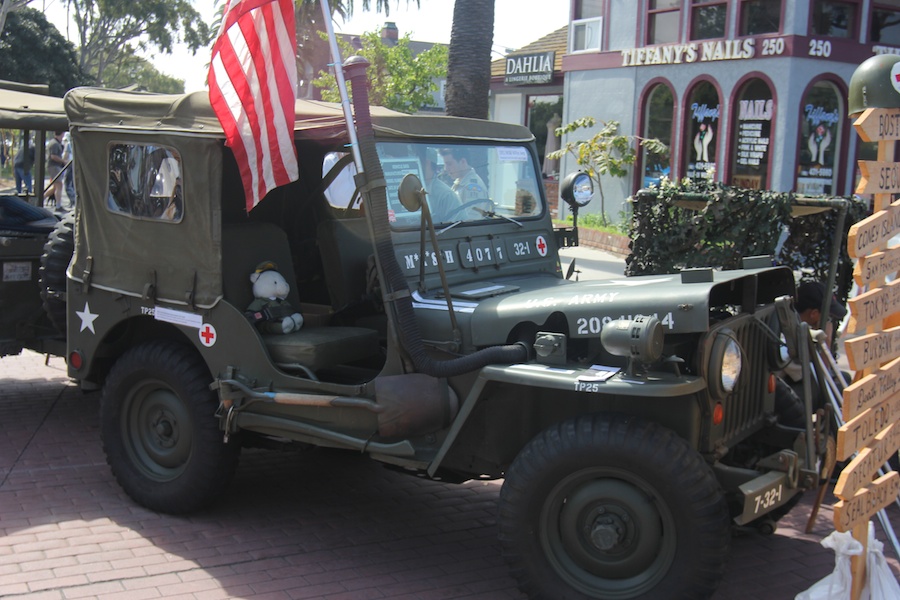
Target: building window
(752,136)
(702,131)
(834,18)
(544,117)
(760,16)
(663,21)
(821,120)
(586,35)
(885,26)
(708,19)
(586,9)
(659,113)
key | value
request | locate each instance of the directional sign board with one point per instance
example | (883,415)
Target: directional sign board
(860,470)
(878,125)
(859,432)
(877,266)
(872,307)
(873,233)
(867,351)
(878,177)
(866,502)
(871,390)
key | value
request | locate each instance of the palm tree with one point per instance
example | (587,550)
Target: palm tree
(312,50)
(469,61)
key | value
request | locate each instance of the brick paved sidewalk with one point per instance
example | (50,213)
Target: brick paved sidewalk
(299,524)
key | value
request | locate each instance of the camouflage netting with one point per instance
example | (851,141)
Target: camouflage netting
(712,225)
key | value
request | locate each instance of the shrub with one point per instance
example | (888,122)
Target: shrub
(707,224)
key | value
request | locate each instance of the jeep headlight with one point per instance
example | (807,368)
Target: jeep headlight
(725,363)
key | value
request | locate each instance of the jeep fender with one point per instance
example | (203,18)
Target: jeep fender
(664,387)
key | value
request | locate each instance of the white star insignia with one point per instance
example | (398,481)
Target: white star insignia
(87,318)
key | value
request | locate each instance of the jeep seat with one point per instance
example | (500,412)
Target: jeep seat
(345,247)
(244,246)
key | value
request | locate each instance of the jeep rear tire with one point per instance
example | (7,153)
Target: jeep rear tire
(54,262)
(607,506)
(160,434)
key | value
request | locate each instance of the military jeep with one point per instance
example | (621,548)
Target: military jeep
(29,316)
(633,419)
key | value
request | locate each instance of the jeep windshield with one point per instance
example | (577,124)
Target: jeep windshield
(465,183)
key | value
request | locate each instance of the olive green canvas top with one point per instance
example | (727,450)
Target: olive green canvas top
(179,261)
(313,119)
(23,109)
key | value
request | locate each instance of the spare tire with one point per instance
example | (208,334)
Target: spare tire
(54,261)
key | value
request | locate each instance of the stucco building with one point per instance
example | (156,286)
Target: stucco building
(750,92)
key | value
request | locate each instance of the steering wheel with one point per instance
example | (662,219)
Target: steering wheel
(487,201)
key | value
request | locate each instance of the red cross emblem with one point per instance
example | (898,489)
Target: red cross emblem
(541,244)
(207,335)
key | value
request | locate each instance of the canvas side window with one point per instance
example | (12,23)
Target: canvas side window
(145,182)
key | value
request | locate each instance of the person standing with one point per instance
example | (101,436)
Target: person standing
(55,164)
(68,159)
(22,167)
(789,385)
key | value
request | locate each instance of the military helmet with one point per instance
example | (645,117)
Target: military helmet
(874,84)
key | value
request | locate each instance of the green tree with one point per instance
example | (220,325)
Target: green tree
(111,29)
(138,72)
(607,152)
(469,65)
(313,50)
(398,79)
(7,6)
(34,51)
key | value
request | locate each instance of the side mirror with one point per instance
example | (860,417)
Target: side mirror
(411,193)
(577,190)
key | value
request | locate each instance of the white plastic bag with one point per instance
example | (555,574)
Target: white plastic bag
(880,582)
(837,585)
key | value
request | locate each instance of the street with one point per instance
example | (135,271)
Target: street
(591,263)
(294,524)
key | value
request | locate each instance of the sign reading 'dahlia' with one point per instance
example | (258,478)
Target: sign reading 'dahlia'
(529,69)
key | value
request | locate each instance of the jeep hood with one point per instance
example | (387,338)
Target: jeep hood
(681,307)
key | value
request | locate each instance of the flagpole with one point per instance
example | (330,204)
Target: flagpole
(342,86)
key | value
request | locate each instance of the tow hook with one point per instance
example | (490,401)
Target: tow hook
(229,396)
(786,461)
(229,423)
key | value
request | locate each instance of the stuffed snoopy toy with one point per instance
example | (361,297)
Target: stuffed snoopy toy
(270,310)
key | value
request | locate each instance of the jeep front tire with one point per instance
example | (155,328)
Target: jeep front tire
(608,506)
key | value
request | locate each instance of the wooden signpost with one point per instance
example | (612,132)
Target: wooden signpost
(871,405)
(867,351)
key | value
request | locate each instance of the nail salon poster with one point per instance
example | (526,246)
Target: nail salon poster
(819,129)
(753,129)
(703,132)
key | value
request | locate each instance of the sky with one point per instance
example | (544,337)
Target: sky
(516,23)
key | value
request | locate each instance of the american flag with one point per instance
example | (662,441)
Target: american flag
(252,89)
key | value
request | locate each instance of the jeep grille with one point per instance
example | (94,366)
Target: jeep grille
(745,407)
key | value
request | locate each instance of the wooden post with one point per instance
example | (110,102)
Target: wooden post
(870,406)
